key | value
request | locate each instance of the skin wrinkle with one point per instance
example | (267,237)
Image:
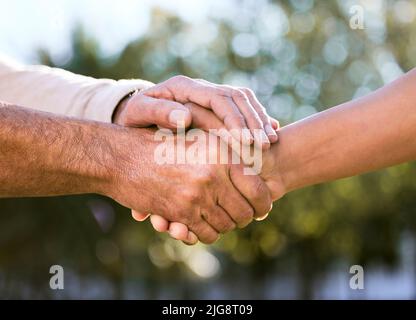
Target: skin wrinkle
(74,140)
(44,150)
(172,96)
(12,148)
(6,132)
(71,147)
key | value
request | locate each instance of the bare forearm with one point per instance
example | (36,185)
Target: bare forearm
(42,154)
(371,133)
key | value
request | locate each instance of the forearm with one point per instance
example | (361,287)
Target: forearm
(371,133)
(42,154)
(62,92)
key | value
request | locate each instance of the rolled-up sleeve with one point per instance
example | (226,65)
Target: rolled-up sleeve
(62,92)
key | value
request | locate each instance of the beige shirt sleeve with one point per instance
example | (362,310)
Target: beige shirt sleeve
(62,92)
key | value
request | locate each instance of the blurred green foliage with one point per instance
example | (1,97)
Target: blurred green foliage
(300,57)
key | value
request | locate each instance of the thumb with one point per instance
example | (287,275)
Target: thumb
(253,188)
(139,216)
(148,111)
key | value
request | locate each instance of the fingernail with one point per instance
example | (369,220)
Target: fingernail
(262,141)
(192,238)
(264,138)
(247,137)
(177,118)
(262,218)
(270,132)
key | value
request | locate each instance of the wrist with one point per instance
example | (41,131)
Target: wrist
(274,177)
(288,163)
(94,169)
(97,166)
(120,110)
(281,165)
(120,157)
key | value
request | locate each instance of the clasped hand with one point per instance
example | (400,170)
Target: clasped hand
(194,201)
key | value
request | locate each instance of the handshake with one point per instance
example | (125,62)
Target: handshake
(199,184)
(200,159)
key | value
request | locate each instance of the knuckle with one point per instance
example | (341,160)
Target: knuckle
(190,105)
(177,215)
(249,214)
(245,212)
(247,91)
(245,217)
(139,100)
(262,111)
(144,93)
(222,92)
(188,217)
(235,118)
(204,234)
(259,107)
(238,94)
(221,225)
(257,121)
(227,226)
(190,196)
(153,113)
(258,190)
(204,177)
(264,118)
(180,78)
(260,195)
(193,197)
(210,238)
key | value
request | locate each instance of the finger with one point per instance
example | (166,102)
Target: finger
(219,219)
(262,218)
(179,231)
(261,111)
(205,233)
(139,216)
(219,100)
(206,120)
(203,118)
(159,223)
(253,188)
(144,111)
(192,239)
(275,124)
(236,206)
(248,110)
(251,116)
